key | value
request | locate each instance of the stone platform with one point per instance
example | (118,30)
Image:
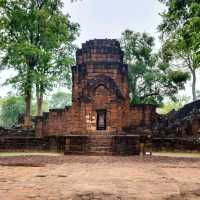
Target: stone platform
(99,144)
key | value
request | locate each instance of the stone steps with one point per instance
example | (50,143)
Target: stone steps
(100,144)
(100,148)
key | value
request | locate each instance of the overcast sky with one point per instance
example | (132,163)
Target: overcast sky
(108,19)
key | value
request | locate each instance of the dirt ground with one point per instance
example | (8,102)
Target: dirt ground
(96,178)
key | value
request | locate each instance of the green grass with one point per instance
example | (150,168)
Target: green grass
(178,154)
(168,154)
(10,154)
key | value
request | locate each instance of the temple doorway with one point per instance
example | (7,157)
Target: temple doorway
(101,119)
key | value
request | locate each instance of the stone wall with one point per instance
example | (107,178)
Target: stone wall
(176,144)
(32,144)
(16,132)
(142,115)
(107,144)
(178,129)
(18,139)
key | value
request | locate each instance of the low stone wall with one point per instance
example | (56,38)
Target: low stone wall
(16,132)
(126,145)
(174,144)
(31,144)
(107,145)
(178,130)
(179,124)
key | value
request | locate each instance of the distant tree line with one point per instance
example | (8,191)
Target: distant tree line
(11,107)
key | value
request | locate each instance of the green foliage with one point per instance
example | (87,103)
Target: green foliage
(177,104)
(180,33)
(182,14)
(60,100)
(10,108)
(150,78)
(178,76)
(36,41)
(45,107)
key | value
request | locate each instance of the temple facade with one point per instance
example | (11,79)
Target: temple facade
(100,115)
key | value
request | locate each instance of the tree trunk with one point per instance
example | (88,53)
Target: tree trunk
(27,117)
(194,80)
(39,104)
(39,95)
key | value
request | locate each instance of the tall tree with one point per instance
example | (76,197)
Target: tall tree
(180,33)
(58,51)
(198,94)
(150,79)
(31,31)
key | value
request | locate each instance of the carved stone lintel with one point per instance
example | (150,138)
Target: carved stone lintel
(107,82)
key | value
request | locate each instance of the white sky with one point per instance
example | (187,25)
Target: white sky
(108,19)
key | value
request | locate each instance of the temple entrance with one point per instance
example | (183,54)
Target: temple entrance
(101,119)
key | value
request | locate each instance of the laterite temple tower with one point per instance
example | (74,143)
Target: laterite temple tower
(100,111)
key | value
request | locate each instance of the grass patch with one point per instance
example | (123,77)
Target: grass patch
(11,154)
(178,154)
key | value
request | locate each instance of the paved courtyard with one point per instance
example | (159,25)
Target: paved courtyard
(96,178)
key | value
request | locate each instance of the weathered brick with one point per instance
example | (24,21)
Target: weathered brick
(99,83)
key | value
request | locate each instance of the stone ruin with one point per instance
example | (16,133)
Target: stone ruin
(178,129)
(101,120)
(100,116)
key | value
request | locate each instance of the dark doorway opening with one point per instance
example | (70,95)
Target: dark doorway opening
(101,119)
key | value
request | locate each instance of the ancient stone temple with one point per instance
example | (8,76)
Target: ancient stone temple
(100,118)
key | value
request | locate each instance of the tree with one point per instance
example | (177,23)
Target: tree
(198,94)
(150,79)
(34,107)
(31,31)
(11,107)
(58,52)
(60,100)
(181,36)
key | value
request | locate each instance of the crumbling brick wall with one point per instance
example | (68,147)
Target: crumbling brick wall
(182,123)
(142,115)
(178,129)
(99,83)
(16,132)
(18,139)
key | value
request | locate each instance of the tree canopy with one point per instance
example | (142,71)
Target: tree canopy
(180,32)
(150,79)
(36,41)
(60,100)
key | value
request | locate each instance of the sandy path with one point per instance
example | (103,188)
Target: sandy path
(88,178)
